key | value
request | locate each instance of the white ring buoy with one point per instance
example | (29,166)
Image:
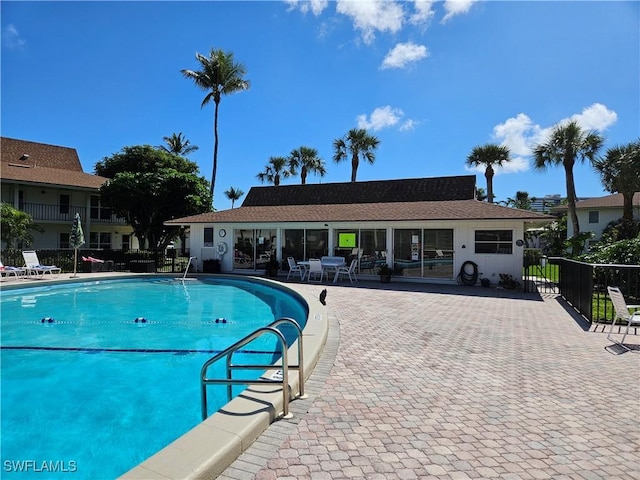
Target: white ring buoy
(222,248)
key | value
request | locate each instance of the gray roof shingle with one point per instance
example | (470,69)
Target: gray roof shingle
(379,191)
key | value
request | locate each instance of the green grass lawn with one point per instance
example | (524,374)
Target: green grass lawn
(550,272)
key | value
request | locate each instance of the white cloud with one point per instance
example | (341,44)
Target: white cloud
(456,7)
(424,12)
(11,38)
(402,54)
(381,117)
(519,134)
(596,117)
(409,125)
(314,6)
(373,16)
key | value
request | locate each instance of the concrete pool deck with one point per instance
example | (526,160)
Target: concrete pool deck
(452,382)
(447,382)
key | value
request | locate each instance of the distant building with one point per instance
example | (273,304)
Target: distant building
(594,214)
(546,203)
(48,183)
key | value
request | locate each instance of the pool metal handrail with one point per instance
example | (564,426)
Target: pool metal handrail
(186,270)
(228,353)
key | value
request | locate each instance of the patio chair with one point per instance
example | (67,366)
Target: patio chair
(350,271)
(621,311)
(33,266)
(8,271)
(294,268)
(315,269)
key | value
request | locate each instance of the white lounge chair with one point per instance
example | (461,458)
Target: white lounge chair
(33,266)
(350,271)
(621,311)
(8,271)
(293,268)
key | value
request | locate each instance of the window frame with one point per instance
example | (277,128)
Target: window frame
(503,241)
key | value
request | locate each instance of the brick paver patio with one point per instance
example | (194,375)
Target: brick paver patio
(449,382)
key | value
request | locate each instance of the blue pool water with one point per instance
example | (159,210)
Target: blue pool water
(94,393)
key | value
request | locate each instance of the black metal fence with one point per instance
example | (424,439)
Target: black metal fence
(139,261)
(583,285)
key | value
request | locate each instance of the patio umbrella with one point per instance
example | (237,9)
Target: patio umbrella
(76,240)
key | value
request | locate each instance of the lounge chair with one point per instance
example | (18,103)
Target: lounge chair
(33,266)
(8,271)
(621,311)
(349,271)
(294,267)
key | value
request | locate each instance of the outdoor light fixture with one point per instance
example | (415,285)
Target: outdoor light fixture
(24,157)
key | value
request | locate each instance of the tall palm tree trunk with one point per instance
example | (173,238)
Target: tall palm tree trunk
(354,167)
(488,173)
(571,197)
(215,149)
(627,209)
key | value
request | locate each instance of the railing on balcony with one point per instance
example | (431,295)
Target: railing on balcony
(62,213)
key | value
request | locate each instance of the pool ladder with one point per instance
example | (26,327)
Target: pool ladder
(228,353)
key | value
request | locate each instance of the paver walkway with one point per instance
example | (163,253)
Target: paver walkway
(449,382)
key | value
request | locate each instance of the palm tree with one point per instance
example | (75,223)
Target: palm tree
(620,172)
(233,194)
(357,143)
(488,156)
(521,201)
(220,75)
(274,170)
(307,160)
(178,145)
(566,144)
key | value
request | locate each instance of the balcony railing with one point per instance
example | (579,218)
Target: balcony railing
(66,213)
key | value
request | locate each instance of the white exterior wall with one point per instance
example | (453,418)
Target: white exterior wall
(490,265)
(606,216)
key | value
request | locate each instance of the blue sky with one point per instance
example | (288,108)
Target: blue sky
(430,79)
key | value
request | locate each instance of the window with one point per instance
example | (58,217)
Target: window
(98,212)
(594,216)
(208,236)
(65,201)
(494,241)
(64,240)
(100,240)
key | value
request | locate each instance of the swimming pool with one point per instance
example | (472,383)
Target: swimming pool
(93,392)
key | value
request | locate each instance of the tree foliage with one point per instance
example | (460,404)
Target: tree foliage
(487,156)
(623,252)
(620,173)
(178,145)
(233,194)
(149,186)
(16,227)
(274,171)
(521,201)
(219,75)
(567,144)
(360,145)
(307,160)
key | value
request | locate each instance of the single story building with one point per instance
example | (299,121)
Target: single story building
(425,228)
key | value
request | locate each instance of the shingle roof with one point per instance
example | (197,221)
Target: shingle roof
(379,191)
(390,211)
(45,165)
(610,201)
